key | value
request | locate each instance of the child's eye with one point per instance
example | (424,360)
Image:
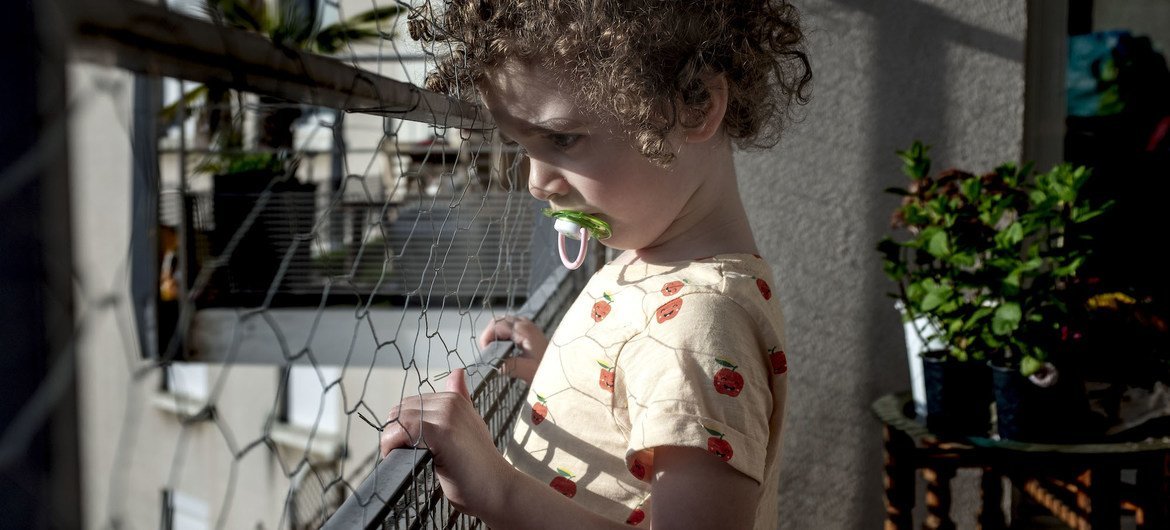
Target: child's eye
(562,140)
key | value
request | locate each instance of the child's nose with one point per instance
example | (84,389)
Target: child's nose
(545,181)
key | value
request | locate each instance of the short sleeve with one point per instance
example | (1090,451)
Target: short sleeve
(698,376)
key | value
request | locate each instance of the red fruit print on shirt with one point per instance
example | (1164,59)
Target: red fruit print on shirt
(601,308)
(638,470)
(605,380)
(727,380)
(539,410)
(764,289)
(717,446)
(672,288)
(636,517)
(564,483)
(779,361)
(669,310)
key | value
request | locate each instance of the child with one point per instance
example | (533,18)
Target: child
(660,397)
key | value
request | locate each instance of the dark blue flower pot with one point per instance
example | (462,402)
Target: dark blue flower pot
(958,397)
(1027,412)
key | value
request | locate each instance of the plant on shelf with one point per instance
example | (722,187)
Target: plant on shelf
(989,258)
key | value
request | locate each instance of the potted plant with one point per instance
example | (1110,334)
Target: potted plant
(989,260)
(935,269)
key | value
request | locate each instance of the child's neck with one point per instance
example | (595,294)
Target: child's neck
(714,223)
(726,236)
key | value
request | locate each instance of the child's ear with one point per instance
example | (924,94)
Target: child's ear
(712,117)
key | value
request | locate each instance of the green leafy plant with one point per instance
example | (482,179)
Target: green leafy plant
(988,258)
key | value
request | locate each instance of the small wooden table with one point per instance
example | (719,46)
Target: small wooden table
(1081,484)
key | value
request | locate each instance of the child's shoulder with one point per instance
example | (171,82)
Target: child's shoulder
(735,275)
(715,288)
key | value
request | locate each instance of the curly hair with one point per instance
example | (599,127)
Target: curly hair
(643,62)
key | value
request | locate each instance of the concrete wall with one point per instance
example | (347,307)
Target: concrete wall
(886,73)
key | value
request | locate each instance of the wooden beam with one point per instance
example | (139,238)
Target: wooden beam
(152,40)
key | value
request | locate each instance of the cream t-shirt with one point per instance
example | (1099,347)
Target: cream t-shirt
(682,354)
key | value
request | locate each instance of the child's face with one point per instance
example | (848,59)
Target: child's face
(582,162)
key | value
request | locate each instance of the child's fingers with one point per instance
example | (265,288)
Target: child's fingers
(403,426)
(499,328)
(457,383)
(433,412)
(395,434)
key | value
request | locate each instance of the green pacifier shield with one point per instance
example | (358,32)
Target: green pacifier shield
(597,228)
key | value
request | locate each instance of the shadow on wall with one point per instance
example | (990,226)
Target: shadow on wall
(907,107)
(922,73)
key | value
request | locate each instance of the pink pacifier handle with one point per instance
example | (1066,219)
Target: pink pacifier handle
(573,265)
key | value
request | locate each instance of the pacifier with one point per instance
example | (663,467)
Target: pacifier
(576,225)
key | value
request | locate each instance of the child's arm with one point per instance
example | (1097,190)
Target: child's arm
(690,489)
(527,337)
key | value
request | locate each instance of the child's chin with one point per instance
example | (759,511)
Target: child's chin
(617,244)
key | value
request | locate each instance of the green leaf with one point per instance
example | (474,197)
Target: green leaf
(1031,265)
(1010,236)
(936,294)
(726,363)
(915,163)
(963,259)
(1007,318)
(1027,169)
(939,244)
(933,300)
(1011,283)
(1030,365)
(239,14)
(712,432)
(361,27)
(915,291)
(1070,269)
(971,188)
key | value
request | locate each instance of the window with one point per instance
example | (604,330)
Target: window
(188,380)
(181,511)
(305,396)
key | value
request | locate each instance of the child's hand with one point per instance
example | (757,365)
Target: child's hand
(527,337)
(459,440)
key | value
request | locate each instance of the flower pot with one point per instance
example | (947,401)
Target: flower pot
(1027,412)
(916,331)
(958,397)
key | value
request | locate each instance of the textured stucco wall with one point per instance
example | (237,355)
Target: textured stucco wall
(886,73)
